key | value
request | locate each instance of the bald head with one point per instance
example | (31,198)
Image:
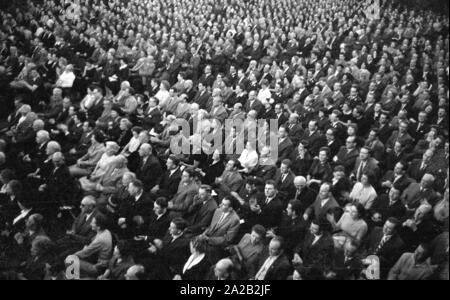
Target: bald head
(299,182)
(145,150)
(223,268)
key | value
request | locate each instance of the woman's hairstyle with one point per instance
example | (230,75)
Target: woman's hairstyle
(200,244)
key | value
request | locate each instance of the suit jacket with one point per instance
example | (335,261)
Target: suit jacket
(201,215)
(82,225)
(152,119)
(418,133)
(219,113)
(385,133)
(405,139)
(286,188)
(347,159)
(389,253)
(315,141)
(184,198)
(169,184)
(256,105)
(279,270)
(157,228)
(231,182)
(131,208)
(377,148)
(61,185)
(223,234)
(284,149)
(271,213)
(319,211)
(175,253)
(382,205)
(307,197)
(371,166)
(151,173)
(413,196)
(319,255)
(201,99)
(415,172)
(295,132)
(347,270)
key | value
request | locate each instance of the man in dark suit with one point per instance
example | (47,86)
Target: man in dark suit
(386,244)
(281,116)
(332,142)
(158,222)
(401,135)
(321,205)
(268,212)
(202,96)
(420,167)
(59,188)
(384,128)
(200,214)
(133,210)
(303,193)
(170,180)
(389,205)
(396,178)
(152,115)
(274,265)
(165,258)
(314,138)
(149,170)
(285,145)
(346,262)
(295,129)
(316,251)
(420,128)
(284,179)
(365,164)
(292,227)
(254,104)
(347,155)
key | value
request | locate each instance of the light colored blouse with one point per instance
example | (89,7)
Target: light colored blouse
(249,159)
(355,229)
(364,195)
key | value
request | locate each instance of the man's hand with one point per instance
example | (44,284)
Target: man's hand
(305,217)
(139,220)
(155,189)
(387,184)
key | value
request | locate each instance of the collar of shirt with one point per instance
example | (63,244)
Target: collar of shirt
(136,199)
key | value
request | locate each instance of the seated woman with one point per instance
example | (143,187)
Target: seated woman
(94,258)
(121,261)
(114,172)
(103,165)
(41,255)
(134,143)
(248,251)
(351,225)
(87,163)
(363,192)
(320,170)
(198,264)
(301,159)
(249,158)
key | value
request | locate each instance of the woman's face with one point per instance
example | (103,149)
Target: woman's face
(323,156)
(354,212)
(255,238)
(364,180)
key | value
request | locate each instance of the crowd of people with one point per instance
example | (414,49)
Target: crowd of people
(92,95)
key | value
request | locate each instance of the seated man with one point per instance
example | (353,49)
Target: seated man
(81,233)
(187,189)
(386,244)
(133,210)
(201,212)
(94,258)
(316,251)
(223,228)
(230,181)
(166,258)
(413,266)
(274,265)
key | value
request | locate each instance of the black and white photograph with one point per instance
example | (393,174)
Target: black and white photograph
(249,141)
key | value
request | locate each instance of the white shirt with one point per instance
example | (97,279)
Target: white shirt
(22,215)
(193,261)
(66,79)
(265,267)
